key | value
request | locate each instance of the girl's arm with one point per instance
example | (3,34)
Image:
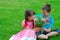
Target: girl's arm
(23,23)
(35,27)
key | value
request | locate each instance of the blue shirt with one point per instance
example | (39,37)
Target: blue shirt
(51,21)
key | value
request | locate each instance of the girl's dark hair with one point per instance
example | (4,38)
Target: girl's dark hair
(47,7)
(29,13)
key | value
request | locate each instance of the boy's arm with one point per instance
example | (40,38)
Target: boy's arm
(51,24)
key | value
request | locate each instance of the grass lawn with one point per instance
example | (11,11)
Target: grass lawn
(12,14)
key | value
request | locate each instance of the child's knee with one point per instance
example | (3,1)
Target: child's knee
(42,36)
(38,33)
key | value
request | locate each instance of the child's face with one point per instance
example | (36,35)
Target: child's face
(31,17)
(45,13)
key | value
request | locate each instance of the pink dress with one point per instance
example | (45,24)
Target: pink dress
(26,34)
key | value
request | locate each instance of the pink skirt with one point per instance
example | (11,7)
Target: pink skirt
(26,34)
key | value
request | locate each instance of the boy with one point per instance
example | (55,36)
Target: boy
(47,28)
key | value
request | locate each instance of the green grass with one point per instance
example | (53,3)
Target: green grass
(12,14)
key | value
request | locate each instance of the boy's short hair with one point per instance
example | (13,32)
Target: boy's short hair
(47,7)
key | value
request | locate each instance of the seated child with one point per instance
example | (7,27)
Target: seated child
(48,23)
(28,24)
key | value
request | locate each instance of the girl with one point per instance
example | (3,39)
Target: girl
(28,24)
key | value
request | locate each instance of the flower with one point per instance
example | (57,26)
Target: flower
(45,20)
(41,21)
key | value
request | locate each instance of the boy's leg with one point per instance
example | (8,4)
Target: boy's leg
(54,32)
(44,32)
(38,33)
(42,36)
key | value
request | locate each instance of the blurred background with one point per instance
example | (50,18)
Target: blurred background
(12,14)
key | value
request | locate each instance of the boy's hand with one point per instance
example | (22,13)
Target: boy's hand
(48,30)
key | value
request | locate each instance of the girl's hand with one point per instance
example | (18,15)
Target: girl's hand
(36,29)
(27,27)
(41,28)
